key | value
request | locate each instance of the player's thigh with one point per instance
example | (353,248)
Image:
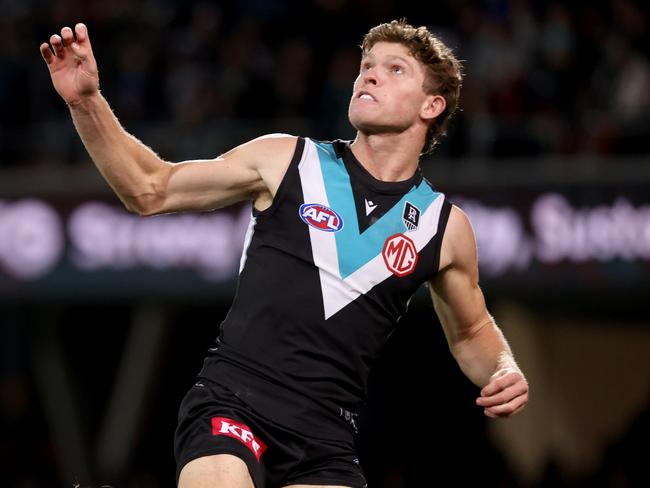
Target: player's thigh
(316,486)
(219,470)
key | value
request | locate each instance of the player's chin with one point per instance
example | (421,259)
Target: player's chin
(362,117)
(367,125)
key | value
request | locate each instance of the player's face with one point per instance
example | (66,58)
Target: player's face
(387,95)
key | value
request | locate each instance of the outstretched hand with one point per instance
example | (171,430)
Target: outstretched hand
(505,394)
(73,69)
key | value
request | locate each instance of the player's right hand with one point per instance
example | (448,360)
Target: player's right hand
(71,63)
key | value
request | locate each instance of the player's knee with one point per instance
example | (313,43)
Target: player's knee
(220,470)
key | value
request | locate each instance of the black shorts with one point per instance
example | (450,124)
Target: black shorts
(212,420)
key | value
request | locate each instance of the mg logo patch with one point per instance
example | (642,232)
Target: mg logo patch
(400,255)
(411,216)
(320,217)
(232,428)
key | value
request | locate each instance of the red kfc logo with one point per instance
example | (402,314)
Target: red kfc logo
(400,255)
(232,428)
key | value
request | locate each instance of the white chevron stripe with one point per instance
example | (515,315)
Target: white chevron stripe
(375,271)
(250,230)
(337,292)
(323,244)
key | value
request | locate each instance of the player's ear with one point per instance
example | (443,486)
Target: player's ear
(433,106)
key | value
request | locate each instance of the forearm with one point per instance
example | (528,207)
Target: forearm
(134,171)
(483,353)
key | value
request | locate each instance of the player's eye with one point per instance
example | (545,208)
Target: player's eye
(396,68)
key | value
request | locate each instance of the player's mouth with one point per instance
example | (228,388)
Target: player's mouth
(364,95)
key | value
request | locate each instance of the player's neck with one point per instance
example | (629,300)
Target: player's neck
(387,157)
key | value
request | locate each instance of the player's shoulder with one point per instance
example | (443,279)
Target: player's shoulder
(267,150)
(276,138)
(459,226)
(459,242)
(274,142)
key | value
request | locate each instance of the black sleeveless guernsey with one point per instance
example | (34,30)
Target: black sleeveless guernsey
(326,273)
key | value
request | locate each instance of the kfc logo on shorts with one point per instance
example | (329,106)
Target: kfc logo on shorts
(400,255)
(232,428)
(321,217)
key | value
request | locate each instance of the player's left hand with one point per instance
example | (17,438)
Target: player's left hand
(505,394)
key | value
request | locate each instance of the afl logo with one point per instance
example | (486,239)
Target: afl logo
(400,255)
(321,217)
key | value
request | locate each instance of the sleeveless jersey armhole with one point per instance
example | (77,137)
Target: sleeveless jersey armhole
(442,225)
(282,188)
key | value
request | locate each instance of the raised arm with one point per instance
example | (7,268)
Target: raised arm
(140,178)
(475,341)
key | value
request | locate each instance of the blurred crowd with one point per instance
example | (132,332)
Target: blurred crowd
(193,78)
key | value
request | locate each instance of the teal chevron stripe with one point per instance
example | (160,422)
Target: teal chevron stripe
(355,249)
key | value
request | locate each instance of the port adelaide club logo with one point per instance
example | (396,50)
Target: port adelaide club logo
(399,252)
(320,217)
(411,216)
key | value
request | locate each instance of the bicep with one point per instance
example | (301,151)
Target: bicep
(242,173)
(457,297)
(209,184)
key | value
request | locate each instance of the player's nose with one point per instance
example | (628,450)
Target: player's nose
(369,76)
